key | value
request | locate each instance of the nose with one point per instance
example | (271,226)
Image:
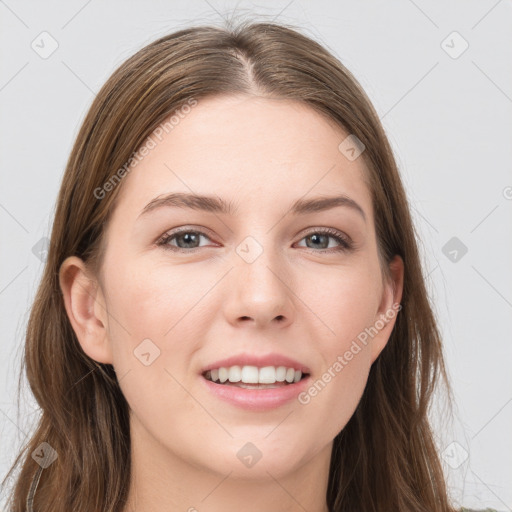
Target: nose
(260,292)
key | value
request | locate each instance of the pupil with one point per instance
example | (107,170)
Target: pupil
(317,237)
(187,237)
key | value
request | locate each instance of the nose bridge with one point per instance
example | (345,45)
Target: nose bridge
(260,283)
(258,261)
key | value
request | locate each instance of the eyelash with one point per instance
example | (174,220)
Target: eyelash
(346,244)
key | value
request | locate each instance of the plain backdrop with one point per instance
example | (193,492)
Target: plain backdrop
(440,77)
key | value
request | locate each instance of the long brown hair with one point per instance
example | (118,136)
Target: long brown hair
(385,459)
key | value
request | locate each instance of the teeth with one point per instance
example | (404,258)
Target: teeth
(235,374)
(280,373)
(254,375)
(223,374)
(267,375)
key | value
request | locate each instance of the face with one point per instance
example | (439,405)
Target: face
(264,280)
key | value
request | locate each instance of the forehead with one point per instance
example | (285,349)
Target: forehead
(252,150)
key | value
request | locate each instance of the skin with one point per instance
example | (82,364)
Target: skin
(209,303)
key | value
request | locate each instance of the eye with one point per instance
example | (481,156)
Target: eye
(186,240)
(319,239)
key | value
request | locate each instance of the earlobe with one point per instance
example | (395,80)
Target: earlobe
(389,307)
(86,309)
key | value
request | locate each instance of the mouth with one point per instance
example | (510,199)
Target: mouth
(252,377)
(253,388)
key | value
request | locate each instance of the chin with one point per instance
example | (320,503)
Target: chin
(257,456)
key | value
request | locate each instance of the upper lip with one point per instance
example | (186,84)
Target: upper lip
(258,360)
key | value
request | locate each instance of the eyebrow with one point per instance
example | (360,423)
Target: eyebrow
(215,204)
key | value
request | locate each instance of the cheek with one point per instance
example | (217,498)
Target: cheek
(155,302)
(346,305)
(153,314)
(159,315)
(344,301)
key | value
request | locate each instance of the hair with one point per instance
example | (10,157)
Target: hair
(385,458)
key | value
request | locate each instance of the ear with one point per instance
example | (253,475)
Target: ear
(389,307)
(86,309)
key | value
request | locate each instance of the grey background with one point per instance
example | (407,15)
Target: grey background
(448,117)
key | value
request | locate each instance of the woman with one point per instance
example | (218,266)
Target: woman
(285,363)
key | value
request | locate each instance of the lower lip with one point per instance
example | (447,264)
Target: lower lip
(257,399)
